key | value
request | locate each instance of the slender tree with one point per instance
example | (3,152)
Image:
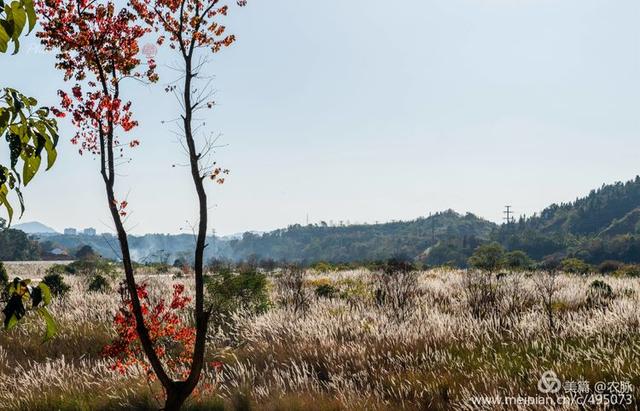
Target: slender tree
(98,48)
(193,28)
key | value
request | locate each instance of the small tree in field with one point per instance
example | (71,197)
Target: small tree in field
(98,48)
(488,257)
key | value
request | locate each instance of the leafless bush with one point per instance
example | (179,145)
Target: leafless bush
(547,288)
(291,289)
(515,297)
(397,291)
(482,291)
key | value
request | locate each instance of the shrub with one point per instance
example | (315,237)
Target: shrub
(4,282)
(609,266)
(488,257)
(599,294)
(353,289)
(551,262)
(173,338)
(292,291)
(396,288)
(575,266)
(99,283)
(517,260)
(515,297)
(4,277)
(547,289)
(229,292)
(89,268)
(326,291)
(161,268)
(396,265)
(86,253)
(59,269)
(481,290)
(629,270)
(56,284)
(322,266)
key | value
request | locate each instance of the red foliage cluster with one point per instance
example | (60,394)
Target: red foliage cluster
(199,26)
(218,174)
(98,47)
(173,340)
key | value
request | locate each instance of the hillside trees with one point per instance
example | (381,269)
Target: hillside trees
(98,48)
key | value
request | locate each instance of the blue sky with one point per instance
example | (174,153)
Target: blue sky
(373,111)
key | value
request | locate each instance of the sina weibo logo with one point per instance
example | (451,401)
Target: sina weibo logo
(149,50)
(549,383)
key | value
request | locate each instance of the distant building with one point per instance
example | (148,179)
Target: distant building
(70,231)
(89,231)
(58,251)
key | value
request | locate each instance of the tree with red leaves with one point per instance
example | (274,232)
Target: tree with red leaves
(98,48)
(172,339)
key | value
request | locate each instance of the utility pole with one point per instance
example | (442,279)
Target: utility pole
(508,215)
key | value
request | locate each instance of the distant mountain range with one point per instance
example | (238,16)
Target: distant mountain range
(605,224)
(34,227)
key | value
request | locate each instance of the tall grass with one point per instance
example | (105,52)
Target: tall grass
(351,352)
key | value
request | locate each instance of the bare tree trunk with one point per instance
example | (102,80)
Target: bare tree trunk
(201,316)
(176,396)
(107,170)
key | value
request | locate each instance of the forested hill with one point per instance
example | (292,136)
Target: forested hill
(611,209)
(604,225)
(362,242)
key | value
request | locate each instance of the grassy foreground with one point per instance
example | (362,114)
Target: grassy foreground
(441,345)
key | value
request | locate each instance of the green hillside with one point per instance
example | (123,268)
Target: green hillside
(605,224)
(363,242)
(592,214)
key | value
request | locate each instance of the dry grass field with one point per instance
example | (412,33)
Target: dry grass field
(439,339)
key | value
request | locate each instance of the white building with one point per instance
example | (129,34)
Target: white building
(89,231)
(70,231)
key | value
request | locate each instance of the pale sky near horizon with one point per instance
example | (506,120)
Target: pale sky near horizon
(373,111)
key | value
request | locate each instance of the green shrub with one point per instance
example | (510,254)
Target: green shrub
(56,284)
(629,270)
(99,283)
(609,266)
(89,268)
(59,269)
(4,282)
(488,257)
(228,292)
(86,253)
(4,277)
(322,266)
(326,291)
(575,266)
(354,289)
(599,294)
(517,260)
(395,265)
(161,268)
